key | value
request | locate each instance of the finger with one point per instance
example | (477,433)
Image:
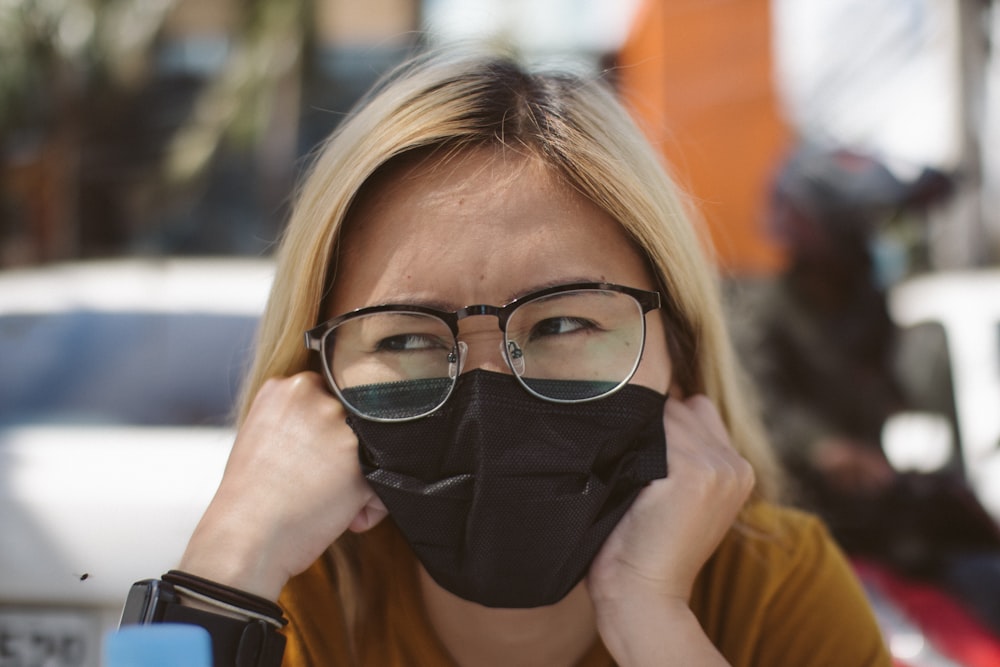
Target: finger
(369,516)
(708,416)
(698,438)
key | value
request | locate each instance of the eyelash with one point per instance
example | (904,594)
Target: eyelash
(392,343)
(578,324)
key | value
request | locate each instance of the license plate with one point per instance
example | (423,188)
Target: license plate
(45,638)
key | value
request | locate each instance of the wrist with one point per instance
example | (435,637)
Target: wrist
(628,609)
(654,630)
(621,588)
(233,558)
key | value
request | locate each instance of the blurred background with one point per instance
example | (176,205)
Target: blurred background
(843,157)
(178,126)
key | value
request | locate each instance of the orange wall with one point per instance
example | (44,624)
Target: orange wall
(698,77)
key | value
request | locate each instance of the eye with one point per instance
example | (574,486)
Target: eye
(413,342)
(556,326)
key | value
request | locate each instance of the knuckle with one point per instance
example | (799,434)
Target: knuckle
(304,381)
(746,477)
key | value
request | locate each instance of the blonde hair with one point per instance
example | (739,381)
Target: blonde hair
(455,101)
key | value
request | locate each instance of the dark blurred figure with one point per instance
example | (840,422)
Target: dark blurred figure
(825,355)
(826,347)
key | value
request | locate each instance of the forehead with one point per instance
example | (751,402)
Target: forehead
(480,226)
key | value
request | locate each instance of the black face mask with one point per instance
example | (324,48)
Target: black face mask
(506,498)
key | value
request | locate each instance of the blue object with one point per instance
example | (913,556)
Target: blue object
(158,645)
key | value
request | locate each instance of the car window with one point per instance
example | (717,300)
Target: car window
(129,368)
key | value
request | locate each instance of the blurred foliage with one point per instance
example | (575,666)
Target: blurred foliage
(53,49)
(100,140)
(239,101)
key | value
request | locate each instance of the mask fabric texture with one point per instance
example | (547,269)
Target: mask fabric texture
(506,498)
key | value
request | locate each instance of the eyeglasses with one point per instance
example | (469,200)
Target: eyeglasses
(565,344)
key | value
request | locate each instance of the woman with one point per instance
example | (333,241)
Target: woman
(513,503)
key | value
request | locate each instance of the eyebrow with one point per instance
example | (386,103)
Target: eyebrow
(551,283)
(449,306)
(426,302)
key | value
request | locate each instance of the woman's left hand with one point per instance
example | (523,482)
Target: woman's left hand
(648,565)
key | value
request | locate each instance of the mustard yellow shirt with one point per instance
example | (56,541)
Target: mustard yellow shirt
(777,592)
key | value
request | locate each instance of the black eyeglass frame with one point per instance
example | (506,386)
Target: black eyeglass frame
(315,338)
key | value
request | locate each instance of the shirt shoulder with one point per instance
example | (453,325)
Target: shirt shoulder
(779,591)
(316,635)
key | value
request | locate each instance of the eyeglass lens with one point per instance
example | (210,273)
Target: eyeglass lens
(569,346)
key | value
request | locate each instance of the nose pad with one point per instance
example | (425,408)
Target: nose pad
(514,356)
(456,362)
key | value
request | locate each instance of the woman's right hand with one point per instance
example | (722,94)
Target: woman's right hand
(291,487)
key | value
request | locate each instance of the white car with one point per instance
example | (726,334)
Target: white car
(117,382)
(966,305)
